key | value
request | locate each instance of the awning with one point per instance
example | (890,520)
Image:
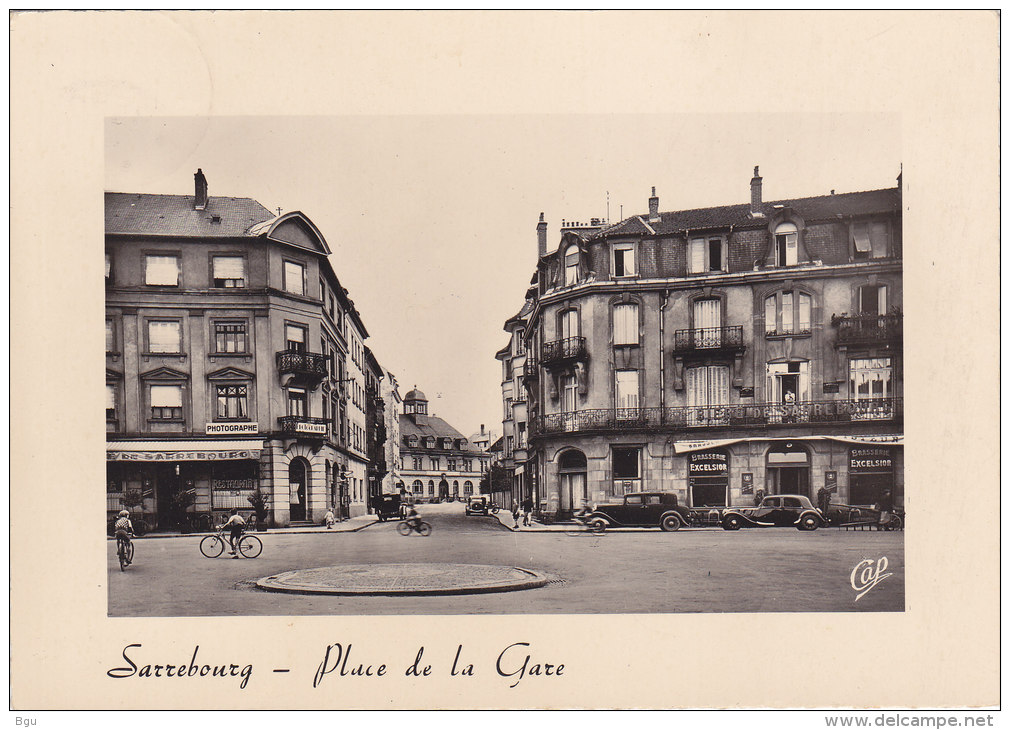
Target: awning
(202,450)
(684,447)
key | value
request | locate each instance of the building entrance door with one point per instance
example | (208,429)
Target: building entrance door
(790,480)
(573,491)
(298,485)
(170,497)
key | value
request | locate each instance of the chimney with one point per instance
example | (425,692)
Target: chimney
(200,201)
(542,236)
(654,207)
(755,194)
(482,429)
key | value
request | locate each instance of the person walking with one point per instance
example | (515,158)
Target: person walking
(527,509)
(515,513)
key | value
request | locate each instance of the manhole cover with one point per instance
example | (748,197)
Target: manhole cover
(411,579)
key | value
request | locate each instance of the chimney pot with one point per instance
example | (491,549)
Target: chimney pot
(200,198)
(654,207)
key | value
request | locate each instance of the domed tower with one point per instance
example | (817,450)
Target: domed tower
(415,405)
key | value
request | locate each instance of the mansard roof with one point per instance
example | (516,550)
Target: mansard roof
(174,215)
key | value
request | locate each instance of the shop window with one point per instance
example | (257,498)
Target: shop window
(294,278)
(110,402)
(707,255)
(229,337)
(232,402)
(572,265)
(164,337)
(166,402)
(161,270)
(788,313)
(786,245)
(624,259)
(294,338)
(229,272)
(627,469)
(625,324)
(870,240)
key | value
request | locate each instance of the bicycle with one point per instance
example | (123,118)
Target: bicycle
(406,527)
(124,549)
(248,546)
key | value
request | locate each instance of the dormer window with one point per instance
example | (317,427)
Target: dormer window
(786,245)
(429,442)
(571,265)
(870,240)
(624,259)
(707,254)
(412,441)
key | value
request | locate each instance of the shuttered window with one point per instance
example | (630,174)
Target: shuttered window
(162,271)
(294,278)
(626,388)
(626,324)
(110,402)
(164,337)
(571,266)
(166,402)
(229,272)
(708,386)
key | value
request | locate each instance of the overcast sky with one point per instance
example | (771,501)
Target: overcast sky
(432,220)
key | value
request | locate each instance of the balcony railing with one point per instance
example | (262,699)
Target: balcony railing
(303,426)
(868,328)
(308,366)
(708,338)
(561,352)
(531,369)
(759,415)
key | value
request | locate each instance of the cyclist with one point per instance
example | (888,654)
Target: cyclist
(412,518)
(124,529)
(235,526)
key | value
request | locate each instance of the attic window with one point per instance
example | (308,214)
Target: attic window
(215,219)
(786,245)
(870,240)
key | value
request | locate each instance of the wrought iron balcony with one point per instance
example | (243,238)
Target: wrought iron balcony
(303,426)
(308,367)
(708,339)
(759,415)
(868,329)
(531,369)
(563,352)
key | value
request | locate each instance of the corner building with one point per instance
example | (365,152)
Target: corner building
(718,353)
(235,364)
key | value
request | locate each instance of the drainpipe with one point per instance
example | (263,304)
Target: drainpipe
(662,353)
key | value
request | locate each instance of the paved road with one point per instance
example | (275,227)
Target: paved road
(647,571)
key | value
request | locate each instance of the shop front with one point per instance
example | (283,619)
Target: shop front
(181,484)
(708,478)
(871,473)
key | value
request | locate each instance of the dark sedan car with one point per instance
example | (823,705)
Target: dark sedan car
(777,510)
(479,505)
(639,509)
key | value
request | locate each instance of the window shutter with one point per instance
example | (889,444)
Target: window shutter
(791,249)
(626,324)
(861,237)
(770,312)
(787,311)
(162,271)
(110,396)
(804,323)
(163,336)
(879,240)
(229,267)
(697,256)
(166,396)
(707,313)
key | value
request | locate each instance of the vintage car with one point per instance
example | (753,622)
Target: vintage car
(638,509)
(386,506)
(479,504)
(777,510)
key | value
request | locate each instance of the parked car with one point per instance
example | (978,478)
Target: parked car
(777,510)
(480,504)
(638,509)
(386,506)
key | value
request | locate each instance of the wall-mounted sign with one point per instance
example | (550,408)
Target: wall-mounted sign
(219,428)
(747,483)
(831,480)
(831,387)
(870,459)
(707,463)
(746,392)
(303,427)
(182,455)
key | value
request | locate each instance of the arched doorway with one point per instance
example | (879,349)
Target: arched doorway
(788,469)
(443,490)
(298,483)
(574,492)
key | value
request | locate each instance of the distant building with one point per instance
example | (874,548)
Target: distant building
(436,461)
(717,353)
(235,363)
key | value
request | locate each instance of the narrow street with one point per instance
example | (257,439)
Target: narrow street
(646,571)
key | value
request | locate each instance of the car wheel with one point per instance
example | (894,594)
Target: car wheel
(808,523)
(670,523)
(597,524)
(731,523)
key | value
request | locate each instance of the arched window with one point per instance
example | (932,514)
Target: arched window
(429,442)
(788,313)
(571,265)
(572,475)
(431,488)
(626,324)
(417,487)
(786,248)
(412,441)
(467,488)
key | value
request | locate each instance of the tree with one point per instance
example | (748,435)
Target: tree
(497,479)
